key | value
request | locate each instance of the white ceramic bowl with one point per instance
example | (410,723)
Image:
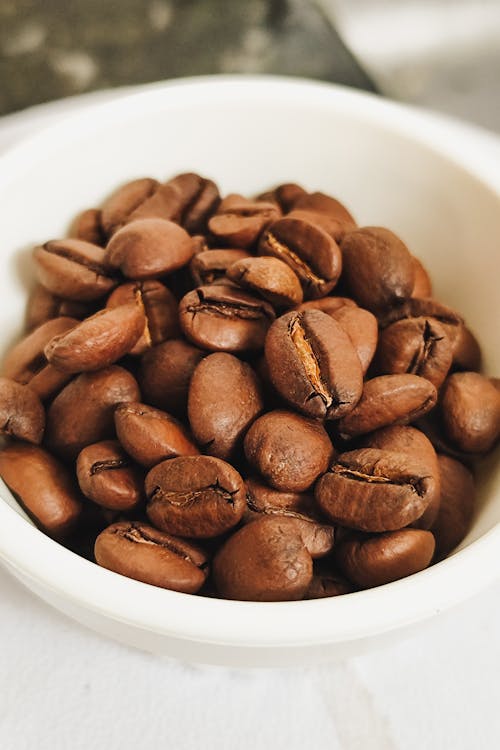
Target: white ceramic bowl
(249,134)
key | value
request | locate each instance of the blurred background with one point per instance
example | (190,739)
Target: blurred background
(443,54)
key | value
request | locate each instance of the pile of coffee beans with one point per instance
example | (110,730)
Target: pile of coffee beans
(244,398)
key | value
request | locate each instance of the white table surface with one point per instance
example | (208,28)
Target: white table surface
(63,687)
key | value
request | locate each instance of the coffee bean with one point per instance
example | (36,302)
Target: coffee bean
(374,561)
(313,364)
(220,318)
(378,268)
(224,399)
(467,353)
(261,497)
(386,400)
(423,284)
(270,278)
(82,413)
(211,265)
(328,305)
(98,341)
(288,450)
(458,499)
(309,251)
(425,308)
(150,435)
(107,476)
(264,561)
(419,346)
(74,270)
(43,306)
(470,411)
(375,490)
(362,329)
(195,496)
(285,195)
(117,208)
(166,372)
(87,227)
(239,222)
(44,486)
(324,585)
(335,228)
(139,551)
(22,415)
(324,204)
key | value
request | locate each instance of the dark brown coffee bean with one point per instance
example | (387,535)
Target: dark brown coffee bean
(264,561)
(362,329)
(87,227)
(378,268)
(432,427)
(211,265)
(470,411)
(73,269)
(328,305)
(107,476)
(309,251)
(335,228)
(321,203)
(26,362)
(43,306)
(467,353)
(285,195)
(374,490)
(270,278)
(166,372)
(139,551)
(423,284)
(160,309)
(425,308)
(118,207)
(239,222)
(413,442)
(82,413)
(98,341)
(195,496)
(458,499)
(22,415)
(150,435)
(44,486)
(324,585)
(288,450)
(313,364)
(374,561)
(419,346)
(261,496)
(386,400)
(224,399)
(220,318)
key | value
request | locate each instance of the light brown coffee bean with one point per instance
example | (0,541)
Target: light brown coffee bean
(285,195)
(139,551)
(467,353)
(377,560)
(239,222)
(261,496)
(270,278)
(322,203)
(117,208)
(264,561)
(44,486)
(458,499)
(328,305)
(423,284)
(470,412)
(166,372)
(362,329)
(87,227)
(211,265)
(335,228)
(107,476)
(22,415)
(43,306)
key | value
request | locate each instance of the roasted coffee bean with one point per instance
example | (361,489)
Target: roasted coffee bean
(149,248)
(221,318)
(98,341)
(87,226)
(118,207)
(362,329)
(22,415)
(309,251)
(261,497)
(328,305)
(458,498)
(270,278)
(375,490)
(239,222)
(467,353)
(166,372)
(160,309)
(211,265)
(378,268)
(288,450)
(150,435)
(377,560)
(418,346)
(82,413)
(386,400)
(423,285)
(335,228)
(264,561)
(139,551)
(107,476)
(321,203)
(225,397)
(26,362)
(285,195)
(413,442)
(324,585)
(470,412)
(43,306)
(44,486)
(195,496)
(426,308)
(74,269)
(313,364)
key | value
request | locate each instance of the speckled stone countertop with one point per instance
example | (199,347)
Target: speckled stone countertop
(55,48)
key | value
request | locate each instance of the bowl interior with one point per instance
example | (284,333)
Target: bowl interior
(249,137)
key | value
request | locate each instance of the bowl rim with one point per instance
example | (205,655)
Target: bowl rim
(50,566)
